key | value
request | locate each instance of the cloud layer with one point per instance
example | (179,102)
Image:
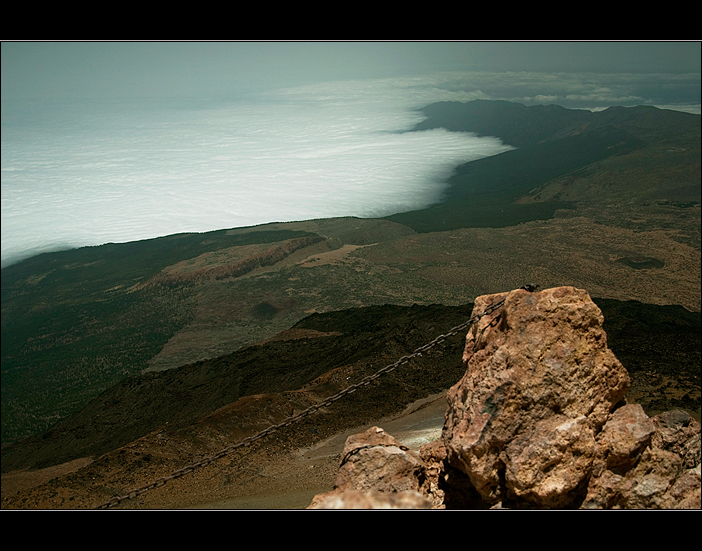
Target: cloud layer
(86,174)
(582,90)
(90,172)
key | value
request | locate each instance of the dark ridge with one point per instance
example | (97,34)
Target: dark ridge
(649,340)
(551,142)
(515,124)
(72,315)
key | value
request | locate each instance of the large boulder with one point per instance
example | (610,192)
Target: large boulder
(539,384)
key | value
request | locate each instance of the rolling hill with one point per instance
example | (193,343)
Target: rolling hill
(566,152)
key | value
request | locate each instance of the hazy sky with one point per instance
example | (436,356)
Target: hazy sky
(107,69)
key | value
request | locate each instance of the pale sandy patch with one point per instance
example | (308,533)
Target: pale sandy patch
(331,257)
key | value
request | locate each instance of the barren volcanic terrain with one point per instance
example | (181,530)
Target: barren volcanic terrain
(658,345)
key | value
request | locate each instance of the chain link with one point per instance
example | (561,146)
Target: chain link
(313,408)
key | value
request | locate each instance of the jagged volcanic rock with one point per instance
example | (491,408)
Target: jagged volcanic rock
(539,420)
(376,471)
(539,383)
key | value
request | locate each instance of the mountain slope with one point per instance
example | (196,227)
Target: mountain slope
(86,314)
(75,323)
(552,143)
(135,406)
(659,346)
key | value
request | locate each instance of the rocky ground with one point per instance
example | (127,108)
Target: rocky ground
(283,488)
(538,421)
(285,478)
(286,469)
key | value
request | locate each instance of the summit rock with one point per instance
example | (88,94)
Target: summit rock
(540,382)
(538,420)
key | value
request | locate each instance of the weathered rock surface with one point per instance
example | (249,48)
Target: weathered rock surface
(539,383)
(646,463)
(376,471)
(371,499)
(539,420)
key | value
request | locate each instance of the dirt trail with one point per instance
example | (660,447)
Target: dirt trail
(421,422)
(16,481)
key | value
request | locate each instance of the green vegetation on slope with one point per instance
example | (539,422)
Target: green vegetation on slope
(71,328)
(551,142)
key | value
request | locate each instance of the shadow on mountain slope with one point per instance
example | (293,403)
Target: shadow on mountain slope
(659,345)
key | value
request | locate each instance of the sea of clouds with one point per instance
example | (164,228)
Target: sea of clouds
(90,172)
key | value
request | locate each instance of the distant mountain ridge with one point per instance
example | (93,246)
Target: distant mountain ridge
(522,126)
(515,124)
(551,142)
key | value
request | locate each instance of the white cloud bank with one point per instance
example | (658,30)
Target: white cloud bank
(78,174)
(86,174)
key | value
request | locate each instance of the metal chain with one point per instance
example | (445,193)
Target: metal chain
(304,413)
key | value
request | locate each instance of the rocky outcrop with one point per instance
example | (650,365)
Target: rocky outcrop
(539,420)
(376,472)
(646,463)
(237,268)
